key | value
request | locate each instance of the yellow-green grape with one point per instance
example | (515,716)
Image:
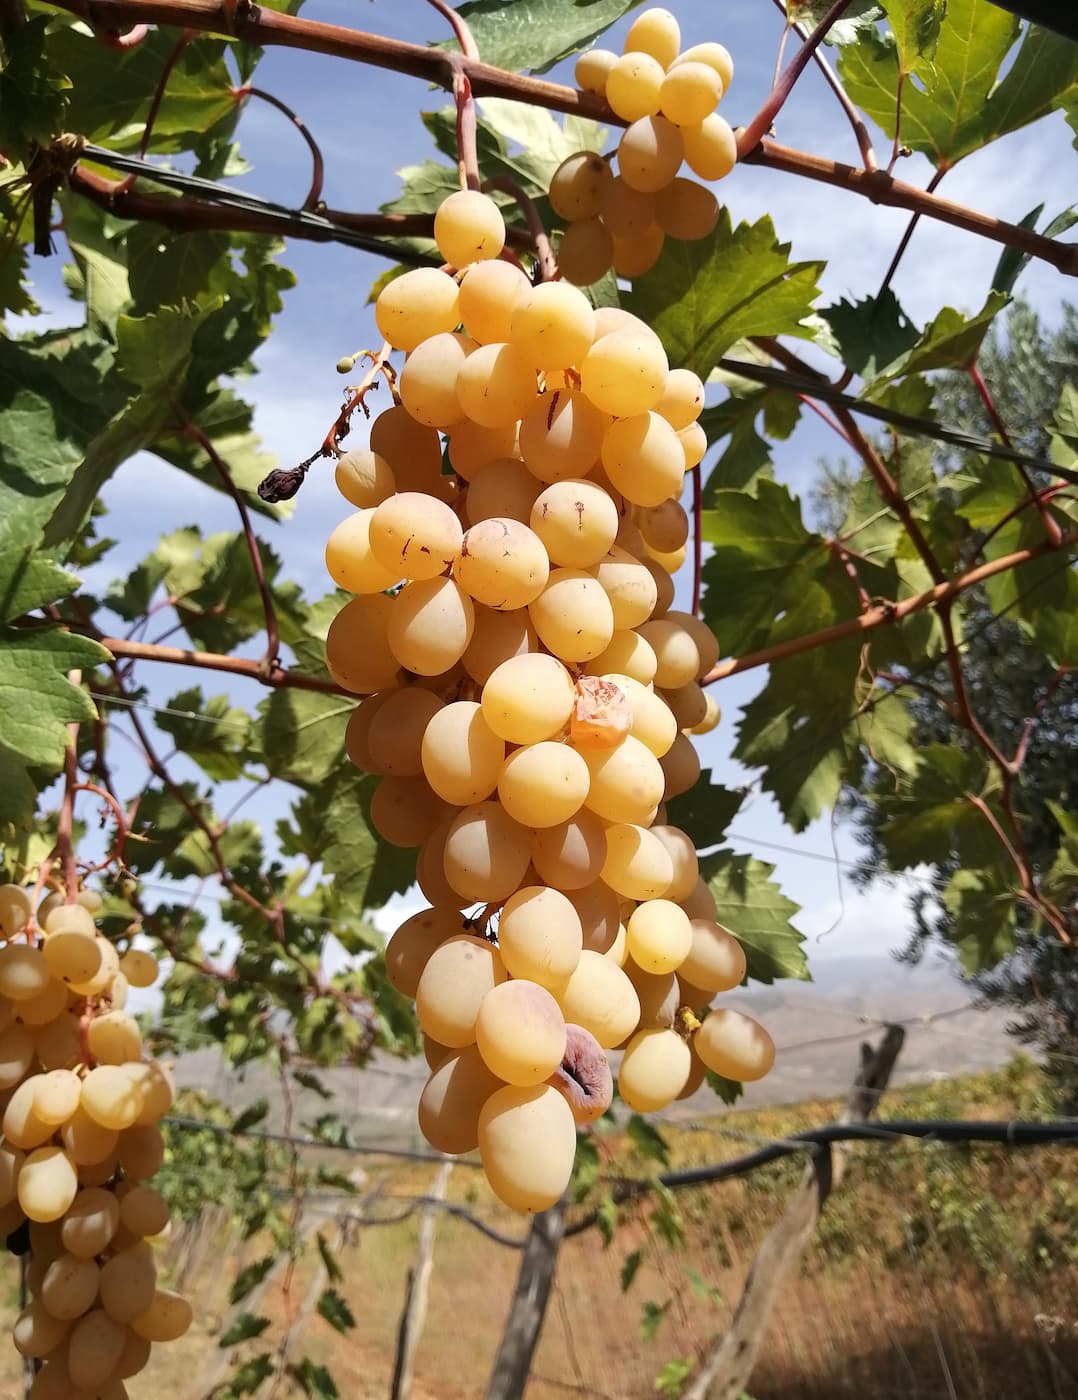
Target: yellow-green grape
(48,1184)
(127,1280)
(689,93)
(24,973)
(430,869)
(11,1160)
(144,1211)
(502,564)
(431,625)
(154,1086)
(486,853)
(528,698)
(498,637)
(358,729)
(351,562)
(629,585)
(520,1032)
(650,153)
(643,458)
(577,185)
(489,291)
(585,252)
(626,782)
(57,1094)
(686,210)
(597,908)
(710,148)
(140,967)
(415,306)
(699,903)
(496,385)
(64,917)
(404,811)
(694,444)
(570,855)
(626,212)
(655,32)
(133,1359)
(639,254)
(527,1143)
(414,536)
(561,437)
(686,864)
(72,955)
(110,966)
(573,616)
(471,447)
(90,1223)
(69,1286)
(428,381)
(86,1140)
(654,1069)
(363,478)
(710,720)
(629,654)
(553,325)
(715,56)
(665,526)
(676,652)
(633,86)
(166,1319)
(46,1006)
(540,936)
(453,1098)
(36,1332)
(141,1151)
(682,399)
(461,755)
(468,228)
(707,644)
(110,1098)
(15,909)
(457,977)
(358,656)
(623,373)
(412,449)
(592,69)
(397,729)
(659,993)
(599,996)
(503,489)
(543,784)
(652,722)
(410,948)
(681,767)
(664,586)
(659,935)
(114,1038)
(734,1045)
(91,901)
(576,521)
(715,960)
(637,865)
(22,1127)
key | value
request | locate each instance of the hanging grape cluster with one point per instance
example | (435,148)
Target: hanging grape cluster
(668,98)
(81,1140)
(528,685)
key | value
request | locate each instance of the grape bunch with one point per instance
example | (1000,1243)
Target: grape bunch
(669,99)
(80,1142)
(528,686)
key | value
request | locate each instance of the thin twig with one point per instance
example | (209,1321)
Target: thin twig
(314,194)
(1051,525)
(544,254)
(697,537)
(776,99)
(904,241)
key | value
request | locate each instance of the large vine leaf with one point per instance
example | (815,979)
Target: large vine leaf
(951,341)
(36,698)
(34,92)
(982,904)
(703,297)
(753,907)
(533,35)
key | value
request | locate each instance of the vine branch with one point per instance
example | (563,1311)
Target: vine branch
(776,99)
(314,194)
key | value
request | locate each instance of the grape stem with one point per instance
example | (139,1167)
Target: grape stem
(314,194)
(65,824)
(547,265)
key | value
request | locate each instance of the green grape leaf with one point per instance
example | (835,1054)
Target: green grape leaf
(916,27)
(250,1277)
(314,1380)
(301,734)
(242,1329)
(983,907)
(336,1311)
(729,1090)
(705,811)
(871,333)
(330,1262)
(210,732)
(950,341)
(530,36)
(931,813)
(703,297)
(36,698)
(860,15)
(14,292)
(747,456)
(34,92)
(630,1267)
(651,1317)
(99,273)
(647,1140)
(226,420)
(168,269)
(753,908)
(1013,262)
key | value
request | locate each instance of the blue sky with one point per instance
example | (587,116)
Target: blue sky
(368,125)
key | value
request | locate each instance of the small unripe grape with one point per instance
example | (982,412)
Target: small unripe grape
(415,306)
(585,252)
(576,186)
(655,32)
(650,153)
(710,148)
(592,69)
(633,86)
(468,228)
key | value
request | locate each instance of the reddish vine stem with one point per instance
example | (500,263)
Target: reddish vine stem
(276,676)
(162,83)
(776,99)
(65,824)
(465,38)
(544,254)
(467,130)
(1048,494)
(1035,714)
(896,145)
(314,194)
(842,554)
(1020,860)
(904,241)
(116,854)
(697,537)
(1051,525)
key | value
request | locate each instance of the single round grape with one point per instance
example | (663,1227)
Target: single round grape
(62,918)
(363,478)
(502,564)
(697,1075)
(416,305)
(643,458)
(572,615)
(102,978)
(468,228)
(659,993)
(686,210)
(686,864)
(711,718)
(413,451)
(453,1098)
(140,967)
(11,1160)
(707,644)
(585,252)
(654,1069)
(716,960)
(351,562)
(650,153)
(543,784)
(358,656)
(166,1319)
(627,213)
(404,811)
(409,950)
(592,68)
(635,256)
(629,654)
(496,385)
(633,86)
(676,652)
(498,636)
(561,437)
(397,729)
(69,1286)
(486,853)
(15,908)
(91,1221)
(629,585)
(22,1127)
(457,977)
(637,865)
(144,1211)
(488,293)
(57,1094)
(430,869)
(734,1045)
(659,935)
(461,755)
(428,381)
(86,1140)
(153,1084)
(597,909)
(653,723)
(141,1151)
(539,936)
(682,399)
(127,1280)
(414,536)
(471,447)
(48,1184)
(109,1097)
(655,32)
(693,441)
(504,489)
(664,526)
(431,625)
(715,56)
(24,972)
(520,1032)
(357,732)
(528,698)
(46,1006)
(626,782)
(599,996)
(623,373)
(570,855)
(689,93)
(36,1332)
(576,521)
(577,185)
(710,148)
(553,325)
(527,1143)
(681,767)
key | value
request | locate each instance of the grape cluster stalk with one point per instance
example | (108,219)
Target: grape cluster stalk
(81,1140)
(529,696)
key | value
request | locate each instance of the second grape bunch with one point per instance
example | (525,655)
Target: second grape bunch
(528,687)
